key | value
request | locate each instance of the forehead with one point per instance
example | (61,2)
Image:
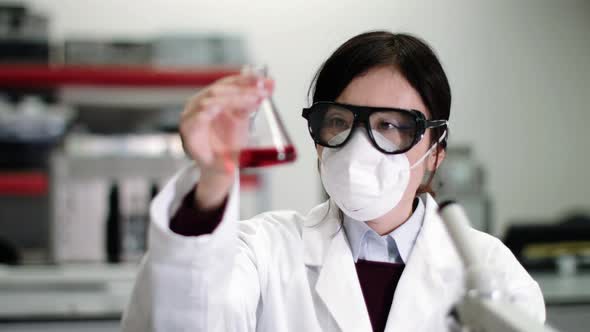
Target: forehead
(382,87)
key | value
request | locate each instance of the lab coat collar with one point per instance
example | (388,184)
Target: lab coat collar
(355,233)
(431,280)
(319,229)
(429,277)
(404,235)
(326,246)
(324,223)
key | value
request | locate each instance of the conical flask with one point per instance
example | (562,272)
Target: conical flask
(268,141)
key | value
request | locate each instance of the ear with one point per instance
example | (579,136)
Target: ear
(433,162)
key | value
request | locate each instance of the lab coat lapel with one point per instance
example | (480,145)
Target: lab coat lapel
(430,279)
(337,285)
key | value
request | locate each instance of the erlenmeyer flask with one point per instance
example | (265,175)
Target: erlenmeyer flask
(268,141)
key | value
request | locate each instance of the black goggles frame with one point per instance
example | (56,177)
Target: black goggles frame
(362,114)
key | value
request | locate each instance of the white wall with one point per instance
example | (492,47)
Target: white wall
(519,71)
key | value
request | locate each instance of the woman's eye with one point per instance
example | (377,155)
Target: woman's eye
(337,123)
(384,125)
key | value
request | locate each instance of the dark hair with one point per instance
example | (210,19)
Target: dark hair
(410,55)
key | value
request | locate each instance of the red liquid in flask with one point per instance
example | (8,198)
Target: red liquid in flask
(262,157)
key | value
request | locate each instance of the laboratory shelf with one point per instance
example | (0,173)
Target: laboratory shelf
(114,87)
(564,289)
(127,156)
(35,76)
(65,291)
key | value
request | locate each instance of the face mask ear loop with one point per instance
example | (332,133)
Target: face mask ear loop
(419,161)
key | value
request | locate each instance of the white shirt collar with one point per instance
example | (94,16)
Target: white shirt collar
(404,236)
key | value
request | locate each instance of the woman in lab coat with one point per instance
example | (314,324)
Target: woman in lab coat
(375,256)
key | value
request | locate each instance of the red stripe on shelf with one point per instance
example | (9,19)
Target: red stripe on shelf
(54,76)
(23,184)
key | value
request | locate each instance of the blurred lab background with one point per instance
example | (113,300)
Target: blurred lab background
(90,93)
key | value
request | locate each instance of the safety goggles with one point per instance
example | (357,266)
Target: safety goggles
(391,130)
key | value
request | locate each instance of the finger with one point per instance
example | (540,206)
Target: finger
(210,106)
(220,90)
(263,89)
(195,103)
(236,104)
(268,85)
(241,80)
(249,80)
(232,131)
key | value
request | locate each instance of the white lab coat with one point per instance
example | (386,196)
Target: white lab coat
(283,271)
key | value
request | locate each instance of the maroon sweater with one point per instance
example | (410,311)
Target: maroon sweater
(378,280)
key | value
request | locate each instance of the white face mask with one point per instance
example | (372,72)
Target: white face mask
(364,182)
